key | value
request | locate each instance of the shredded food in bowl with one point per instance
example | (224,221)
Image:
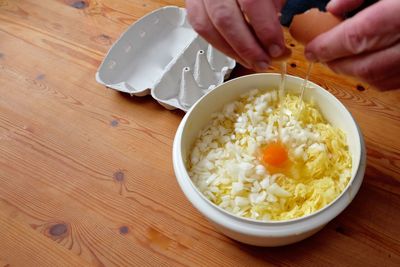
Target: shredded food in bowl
(270,161)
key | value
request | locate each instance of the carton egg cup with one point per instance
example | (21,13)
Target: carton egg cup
(162,55)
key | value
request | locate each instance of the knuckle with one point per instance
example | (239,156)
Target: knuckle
(267,32)
(199,25)
(270,34)
(222,16)
(355,38)
(323,51)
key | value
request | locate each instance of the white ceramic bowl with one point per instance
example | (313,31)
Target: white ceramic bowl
(247,230)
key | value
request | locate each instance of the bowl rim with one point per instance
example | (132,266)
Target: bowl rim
(182,173)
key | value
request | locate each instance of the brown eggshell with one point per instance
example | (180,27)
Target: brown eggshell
(312,23)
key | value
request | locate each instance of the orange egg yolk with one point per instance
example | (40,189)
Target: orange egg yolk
(275,154)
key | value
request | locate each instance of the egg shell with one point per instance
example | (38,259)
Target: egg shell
(312,23)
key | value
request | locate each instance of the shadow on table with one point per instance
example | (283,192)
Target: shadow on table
(368,223)
(149,102)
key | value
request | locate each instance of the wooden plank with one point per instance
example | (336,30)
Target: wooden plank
(49,158)
(33,249)
(86,173)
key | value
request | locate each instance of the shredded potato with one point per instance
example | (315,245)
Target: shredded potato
(226,166)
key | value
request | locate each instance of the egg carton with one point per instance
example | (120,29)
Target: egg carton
(162,55)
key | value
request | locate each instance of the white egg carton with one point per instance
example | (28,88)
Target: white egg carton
(162,55)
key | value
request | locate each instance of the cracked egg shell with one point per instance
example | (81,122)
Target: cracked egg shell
(312,23)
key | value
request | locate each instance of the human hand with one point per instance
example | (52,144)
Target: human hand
(366,46)
(246,30)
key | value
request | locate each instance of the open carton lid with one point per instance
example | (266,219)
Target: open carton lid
(162,55)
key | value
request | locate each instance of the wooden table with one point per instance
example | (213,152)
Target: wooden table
(86,174)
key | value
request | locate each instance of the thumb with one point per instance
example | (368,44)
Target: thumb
(374,28)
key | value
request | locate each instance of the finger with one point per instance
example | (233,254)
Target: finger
(376,68)
(389,83)
(279,4)
(202,24)
(374,28)
(263,18)
(229,21)
(339,7)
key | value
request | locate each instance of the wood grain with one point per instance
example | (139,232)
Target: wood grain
(86,174)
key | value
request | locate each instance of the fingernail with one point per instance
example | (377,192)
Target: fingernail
(311,57)
(275,50)
(330,5)
(262,65)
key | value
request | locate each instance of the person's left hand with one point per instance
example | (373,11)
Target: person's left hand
(366,46)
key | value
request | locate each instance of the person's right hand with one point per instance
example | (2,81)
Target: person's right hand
(246,30)
(366,46)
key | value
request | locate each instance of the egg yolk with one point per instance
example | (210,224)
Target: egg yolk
(275,154)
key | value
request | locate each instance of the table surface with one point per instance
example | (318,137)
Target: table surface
(86,174)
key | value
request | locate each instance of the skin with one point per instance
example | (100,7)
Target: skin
(253,40)
(366,46)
